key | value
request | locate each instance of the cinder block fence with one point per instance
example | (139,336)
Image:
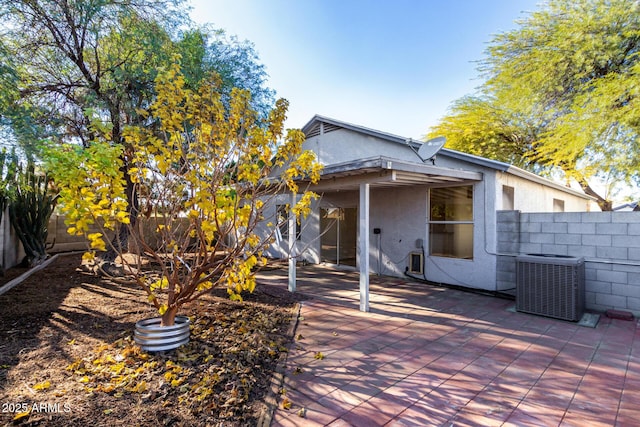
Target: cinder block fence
(608,241)
(58,240)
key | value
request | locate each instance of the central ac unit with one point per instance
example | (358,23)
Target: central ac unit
(550,285)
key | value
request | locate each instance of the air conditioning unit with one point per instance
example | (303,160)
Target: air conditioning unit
(550,285)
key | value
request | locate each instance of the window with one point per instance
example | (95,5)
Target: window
(558,205)
(282,216)
(507,198)
(451,222)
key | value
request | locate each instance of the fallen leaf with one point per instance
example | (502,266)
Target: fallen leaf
(286,404)
(21,415)
(302,412)
(42,386)
(319,355)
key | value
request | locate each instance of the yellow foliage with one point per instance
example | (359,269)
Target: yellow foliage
(96,241)
(207,161)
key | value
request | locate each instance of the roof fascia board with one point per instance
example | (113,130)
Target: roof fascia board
(395,164)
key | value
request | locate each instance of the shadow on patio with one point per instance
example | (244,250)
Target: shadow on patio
(427,355)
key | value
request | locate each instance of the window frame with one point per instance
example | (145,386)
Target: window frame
(431,222)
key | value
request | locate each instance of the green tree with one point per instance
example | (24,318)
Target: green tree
(561,94)
(83,69)
(205,174)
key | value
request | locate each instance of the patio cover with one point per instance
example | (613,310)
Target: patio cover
(362,175)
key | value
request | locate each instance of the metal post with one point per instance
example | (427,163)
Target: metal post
(363,242)
(292,246)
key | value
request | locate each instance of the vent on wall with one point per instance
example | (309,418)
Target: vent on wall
(416,263)
(326,128)
(550,285)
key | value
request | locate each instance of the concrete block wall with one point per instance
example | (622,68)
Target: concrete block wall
(58,240)
(608,241)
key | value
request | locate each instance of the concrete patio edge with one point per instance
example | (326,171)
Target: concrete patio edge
(270,402)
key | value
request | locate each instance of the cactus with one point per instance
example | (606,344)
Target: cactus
(4,198)
(30,208)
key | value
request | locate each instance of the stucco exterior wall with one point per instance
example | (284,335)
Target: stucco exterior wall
(478,273)
(535,197)
(345,145)
(400,214)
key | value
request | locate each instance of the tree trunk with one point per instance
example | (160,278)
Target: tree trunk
(169,317)
(605,205)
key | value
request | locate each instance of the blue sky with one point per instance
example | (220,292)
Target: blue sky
(391,65)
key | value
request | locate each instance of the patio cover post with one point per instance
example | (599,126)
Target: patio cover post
(291,243)
(363,243)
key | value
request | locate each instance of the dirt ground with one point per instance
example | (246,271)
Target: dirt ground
(67,356)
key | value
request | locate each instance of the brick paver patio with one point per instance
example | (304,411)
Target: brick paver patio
(431,356)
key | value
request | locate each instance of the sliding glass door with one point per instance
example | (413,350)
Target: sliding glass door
(338,240)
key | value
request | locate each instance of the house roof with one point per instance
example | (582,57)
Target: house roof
(387,172)
(633,206)
(312,128)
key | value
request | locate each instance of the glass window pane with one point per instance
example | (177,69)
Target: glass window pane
(451,240)
(282,217)
(451,204)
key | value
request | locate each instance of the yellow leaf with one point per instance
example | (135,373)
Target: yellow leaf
(107,411)
(84,379)
(42,386)
(286,404)
(21,415)
(319,355)
(72,342)
(106,388)
(140,387)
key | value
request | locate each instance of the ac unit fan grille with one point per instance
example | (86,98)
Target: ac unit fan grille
(550,287)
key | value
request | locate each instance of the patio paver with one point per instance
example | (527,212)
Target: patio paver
(430,356)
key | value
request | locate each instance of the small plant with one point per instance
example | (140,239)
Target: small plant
(31,205)
(4,193)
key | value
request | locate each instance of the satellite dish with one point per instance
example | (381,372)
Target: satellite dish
(429,149)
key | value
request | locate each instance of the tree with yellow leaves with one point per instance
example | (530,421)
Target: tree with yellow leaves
(204,173)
